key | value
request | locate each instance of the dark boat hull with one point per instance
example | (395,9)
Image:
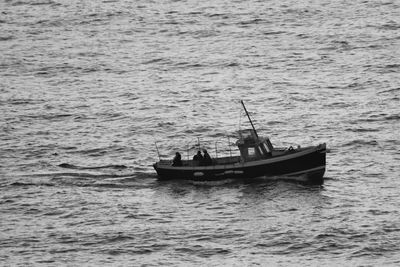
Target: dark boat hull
(305,165)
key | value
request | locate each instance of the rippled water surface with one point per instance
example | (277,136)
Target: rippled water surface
(87,87)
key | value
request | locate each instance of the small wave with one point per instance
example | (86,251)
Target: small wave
(109,176)
(155,60)
(189,65)
(379,117)
(362,130)
(353,85)
(94,152)
(212,183)
(117,238)
(289,210)
(54,213)
(62,175)
(252,21)
(30,184)
(389,68)
(389,26)
(392,117)
(24,101)
(90,54)
(34,3)
(6,38)
(373,250)
(110,185)
(392,66)
(361,143)
(338,105)
(274,33)
(95,180)
(325,235)
(274,122)
(233,64)
(337,45)
(224,16)
(202,251)
(48,116)
(378,212)
(71,166)
(41,3)
(389,90)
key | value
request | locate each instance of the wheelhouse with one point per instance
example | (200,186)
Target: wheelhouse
(252,147)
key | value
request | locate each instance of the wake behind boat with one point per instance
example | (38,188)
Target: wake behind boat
(258,158)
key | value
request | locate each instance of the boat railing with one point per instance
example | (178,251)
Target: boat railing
(219,149)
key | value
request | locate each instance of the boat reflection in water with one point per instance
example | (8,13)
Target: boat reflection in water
(258,158)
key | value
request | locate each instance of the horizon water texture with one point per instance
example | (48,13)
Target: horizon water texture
(88,87)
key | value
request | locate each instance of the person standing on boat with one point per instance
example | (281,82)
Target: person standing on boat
(198,158)
(177,161)
(206,158)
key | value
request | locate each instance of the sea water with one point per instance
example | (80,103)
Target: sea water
(88,87)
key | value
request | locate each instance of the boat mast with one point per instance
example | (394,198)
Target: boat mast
(158,152)
(248,116)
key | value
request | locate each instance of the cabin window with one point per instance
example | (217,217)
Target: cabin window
(266,147)
(254,151)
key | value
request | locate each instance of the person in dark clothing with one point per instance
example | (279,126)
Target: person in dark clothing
(177,161)
(206,158)
(198,158)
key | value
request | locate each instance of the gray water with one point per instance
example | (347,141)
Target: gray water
(87,87)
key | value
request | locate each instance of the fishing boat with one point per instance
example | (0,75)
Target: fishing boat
(258,158)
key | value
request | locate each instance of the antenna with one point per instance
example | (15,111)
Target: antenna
(158,152)
(248,116)
(240,120)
